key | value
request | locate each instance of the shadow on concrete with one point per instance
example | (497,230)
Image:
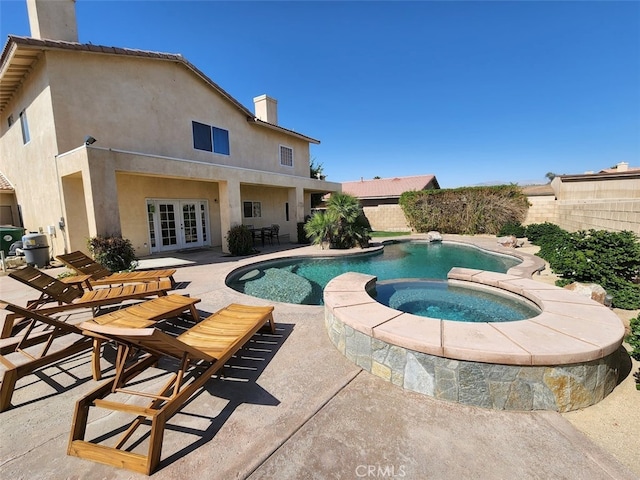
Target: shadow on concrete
(236,383)
(60,377)
(206,256)
(625,364)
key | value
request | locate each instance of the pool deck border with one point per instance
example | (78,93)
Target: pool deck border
(567,353)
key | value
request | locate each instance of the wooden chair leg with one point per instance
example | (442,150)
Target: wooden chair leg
(8,386)
(272,323)
(9,323)
(95,359)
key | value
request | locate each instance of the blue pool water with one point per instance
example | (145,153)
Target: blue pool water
(302,280)
(438,299)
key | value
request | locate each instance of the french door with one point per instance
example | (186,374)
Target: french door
(177,224)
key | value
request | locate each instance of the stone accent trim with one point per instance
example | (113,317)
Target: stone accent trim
(500,387)
(563,359)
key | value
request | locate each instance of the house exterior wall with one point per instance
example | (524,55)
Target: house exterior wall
(114,186)
(31,167)
(134,190)
(140,110)
(272,202)
(148,105)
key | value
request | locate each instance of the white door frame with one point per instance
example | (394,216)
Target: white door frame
(174,224)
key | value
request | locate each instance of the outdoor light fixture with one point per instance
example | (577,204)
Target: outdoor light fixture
(89,140)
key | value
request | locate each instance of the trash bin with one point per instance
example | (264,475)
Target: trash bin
(8,236)
(36,249)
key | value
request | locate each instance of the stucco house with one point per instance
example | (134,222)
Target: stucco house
(379,198)
(102,140)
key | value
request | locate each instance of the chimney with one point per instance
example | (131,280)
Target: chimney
(53,19)
(622,167)
(266,109)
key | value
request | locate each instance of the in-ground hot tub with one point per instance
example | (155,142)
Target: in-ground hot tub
(563,359)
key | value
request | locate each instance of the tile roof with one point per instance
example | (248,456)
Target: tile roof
(5,184)
(616,170)
(389,187)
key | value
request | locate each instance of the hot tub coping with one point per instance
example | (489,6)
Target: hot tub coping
(570,328)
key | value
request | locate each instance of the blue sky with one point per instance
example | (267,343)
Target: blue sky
(473,92)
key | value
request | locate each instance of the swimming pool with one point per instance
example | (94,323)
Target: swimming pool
(302,280)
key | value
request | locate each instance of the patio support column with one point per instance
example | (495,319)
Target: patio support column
(101,195)
(296,203)
(230,208)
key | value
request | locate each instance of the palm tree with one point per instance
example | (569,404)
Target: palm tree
(346,210)
(321,228)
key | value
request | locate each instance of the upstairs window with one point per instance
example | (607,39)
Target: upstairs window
(286,156)
(210,139)
(10,120)
(220,140)
(202,137)
(25,127)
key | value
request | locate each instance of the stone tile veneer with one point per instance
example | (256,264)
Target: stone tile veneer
(564,359)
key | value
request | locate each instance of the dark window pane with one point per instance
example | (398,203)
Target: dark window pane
(220,141)
(202,136)
(248,209)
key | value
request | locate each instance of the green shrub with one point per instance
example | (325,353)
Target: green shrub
(341,225)
(468,210)
(302,236)
(610,259)
(633,339)
(113,252)
(240,240)
(513,228)
(537,231)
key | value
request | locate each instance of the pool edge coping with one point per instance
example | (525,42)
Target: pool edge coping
(559,335)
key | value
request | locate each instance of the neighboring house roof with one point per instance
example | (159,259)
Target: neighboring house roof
(5,184)
(389,187)
(616,170)
(630,173)
(538,190)
(21,53)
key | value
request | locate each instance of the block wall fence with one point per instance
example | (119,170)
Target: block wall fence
(606,214)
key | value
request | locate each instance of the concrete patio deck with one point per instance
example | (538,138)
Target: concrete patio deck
(293,407)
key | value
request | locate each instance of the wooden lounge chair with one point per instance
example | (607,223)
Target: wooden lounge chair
(202,351)
(59,339)
(69,297)
(85,265)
